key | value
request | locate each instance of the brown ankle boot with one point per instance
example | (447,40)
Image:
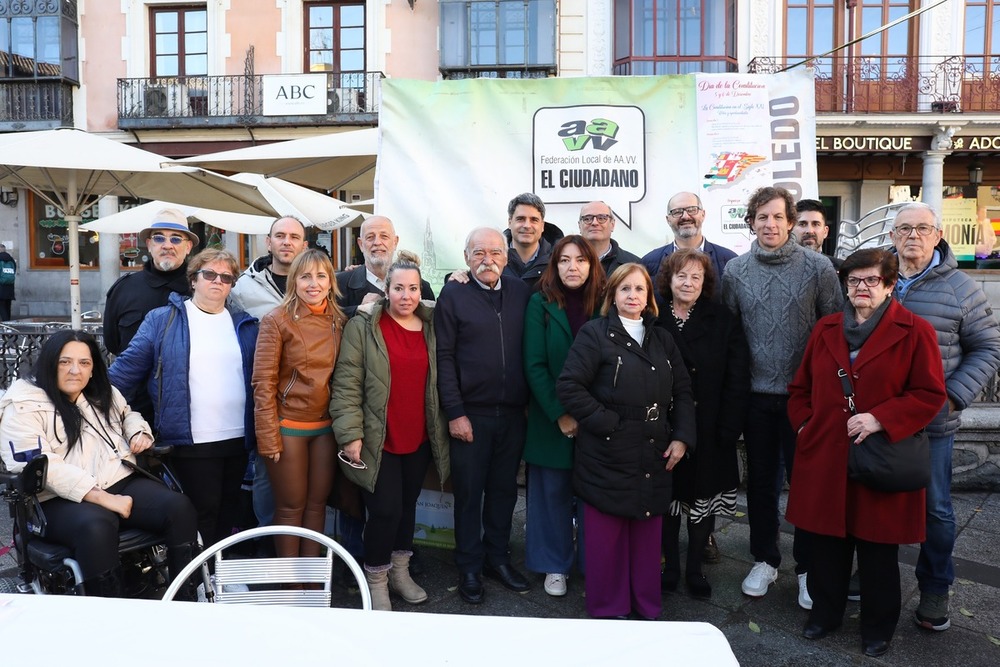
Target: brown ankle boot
(400,581)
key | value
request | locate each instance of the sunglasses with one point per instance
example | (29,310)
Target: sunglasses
(356,466)
(160,238)
(210,276)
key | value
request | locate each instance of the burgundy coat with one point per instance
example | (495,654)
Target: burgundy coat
(898,378)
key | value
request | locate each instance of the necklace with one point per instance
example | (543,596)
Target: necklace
(678,320)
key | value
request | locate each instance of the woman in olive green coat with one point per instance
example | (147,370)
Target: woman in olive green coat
(569,294)
(389,425)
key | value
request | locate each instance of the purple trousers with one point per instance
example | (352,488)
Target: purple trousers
(623,565)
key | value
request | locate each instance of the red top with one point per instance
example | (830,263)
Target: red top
(405,418)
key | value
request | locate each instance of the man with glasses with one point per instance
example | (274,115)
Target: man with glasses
(596,224)
(778,290)
(931,286)
(168,241)
(479,326)
(686,216)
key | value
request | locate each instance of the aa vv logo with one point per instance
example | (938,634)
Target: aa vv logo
(599,133)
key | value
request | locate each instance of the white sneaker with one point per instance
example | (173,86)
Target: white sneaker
(805,601)
(761,576)
(555,584)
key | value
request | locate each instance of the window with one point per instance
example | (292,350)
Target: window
(674,36)
(982,36)
(885,54)
(812,27)
(498,38)
(335,40)
(40,44)
(179,41)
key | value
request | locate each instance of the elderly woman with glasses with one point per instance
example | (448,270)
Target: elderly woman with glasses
(196,358)
(625,384)
(389,424)
(894,364)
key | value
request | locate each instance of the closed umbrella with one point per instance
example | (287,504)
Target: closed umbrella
(71,169)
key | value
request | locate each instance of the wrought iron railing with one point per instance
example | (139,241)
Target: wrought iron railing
(215,100)
(900,84)
(20,343)
(30,104)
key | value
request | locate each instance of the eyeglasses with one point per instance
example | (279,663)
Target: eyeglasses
(602,218)
(160,238)
(871,281)
(922,230)
(210,276)
(690,210)
(357,466)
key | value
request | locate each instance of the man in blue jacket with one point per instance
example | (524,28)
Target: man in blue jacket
(483,392)
(931,286)
(685,216)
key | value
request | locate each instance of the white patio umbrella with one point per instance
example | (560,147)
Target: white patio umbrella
(71,169)
(328,162)
(313,208)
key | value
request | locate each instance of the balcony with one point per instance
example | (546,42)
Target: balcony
(352,98)
(900,84)
(35,105)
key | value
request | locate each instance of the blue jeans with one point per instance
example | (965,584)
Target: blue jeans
(935,569)
(548,540)
(263,497)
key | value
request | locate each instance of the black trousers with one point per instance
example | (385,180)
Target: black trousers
(92,531)
(213,485)
(484,478)
(878,570)
(768,433)
(392,507)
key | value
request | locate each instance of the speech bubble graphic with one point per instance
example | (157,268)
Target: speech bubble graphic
(589,152)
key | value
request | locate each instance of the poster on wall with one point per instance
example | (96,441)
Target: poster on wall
(453,153)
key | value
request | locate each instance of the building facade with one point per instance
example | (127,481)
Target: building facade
(912,109)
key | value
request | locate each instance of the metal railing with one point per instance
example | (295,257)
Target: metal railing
(20,343)
(899,84)
(35,104)
(223,100)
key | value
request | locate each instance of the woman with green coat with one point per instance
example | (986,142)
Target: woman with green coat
(389,425)
(569,294)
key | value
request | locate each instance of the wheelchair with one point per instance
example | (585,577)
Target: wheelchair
(46,568)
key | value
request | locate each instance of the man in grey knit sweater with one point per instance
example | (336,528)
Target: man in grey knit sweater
(779,290)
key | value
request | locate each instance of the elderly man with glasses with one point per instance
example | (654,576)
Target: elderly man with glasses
(596,224)
(931,286)
(168,241)
(685,215)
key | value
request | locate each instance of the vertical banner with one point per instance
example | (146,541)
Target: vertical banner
(453,153)
(960,225)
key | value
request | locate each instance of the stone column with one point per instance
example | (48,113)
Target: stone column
(933,178)
(108,251)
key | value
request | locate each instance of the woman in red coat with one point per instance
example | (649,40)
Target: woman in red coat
(895,366)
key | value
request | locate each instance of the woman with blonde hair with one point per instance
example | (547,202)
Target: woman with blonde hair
(296,351)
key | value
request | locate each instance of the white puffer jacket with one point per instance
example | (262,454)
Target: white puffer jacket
(28,417)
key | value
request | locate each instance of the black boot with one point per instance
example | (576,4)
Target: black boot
(698,534)
(179,556)
(671,573)
(107,585)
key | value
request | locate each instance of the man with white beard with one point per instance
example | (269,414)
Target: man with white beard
(366,283)
(685,216)
(168,241)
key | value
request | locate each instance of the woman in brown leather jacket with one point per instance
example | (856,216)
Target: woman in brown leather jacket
(296,351)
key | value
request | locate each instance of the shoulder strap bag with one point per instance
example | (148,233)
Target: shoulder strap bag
(881,465)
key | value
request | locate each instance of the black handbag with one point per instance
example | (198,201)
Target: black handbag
(882,465)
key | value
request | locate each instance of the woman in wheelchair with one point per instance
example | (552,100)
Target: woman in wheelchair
(91,436)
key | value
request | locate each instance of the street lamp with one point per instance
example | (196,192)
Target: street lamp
(976,173)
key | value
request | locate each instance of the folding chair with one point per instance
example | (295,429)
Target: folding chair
(266,577)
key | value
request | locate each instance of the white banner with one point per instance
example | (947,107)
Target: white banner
(453,153)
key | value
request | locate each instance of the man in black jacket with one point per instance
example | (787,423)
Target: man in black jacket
(597,221)
(377,242)
(168,241)
(479,326)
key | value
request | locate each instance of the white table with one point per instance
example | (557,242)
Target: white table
(67,630)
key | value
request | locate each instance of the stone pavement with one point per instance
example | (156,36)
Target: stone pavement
(766,631)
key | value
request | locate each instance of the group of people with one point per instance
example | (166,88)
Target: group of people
(623,383)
